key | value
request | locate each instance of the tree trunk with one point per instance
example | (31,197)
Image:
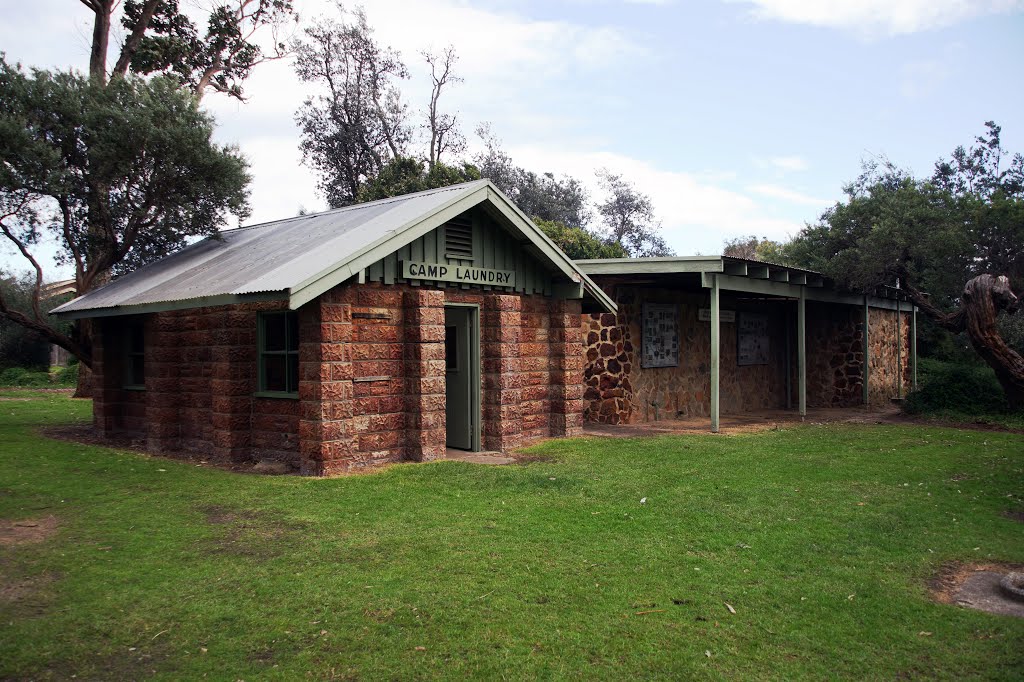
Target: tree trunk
(84,387)
(983,299)
(83,335)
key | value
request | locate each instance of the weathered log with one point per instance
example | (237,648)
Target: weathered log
(984,297)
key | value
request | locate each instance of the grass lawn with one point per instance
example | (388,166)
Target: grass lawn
(822,539)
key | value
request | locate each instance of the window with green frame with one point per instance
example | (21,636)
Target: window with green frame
(279,352)
(135,356)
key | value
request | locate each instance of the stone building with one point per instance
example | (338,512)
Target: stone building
(698,336)
(395,330)
(381,332)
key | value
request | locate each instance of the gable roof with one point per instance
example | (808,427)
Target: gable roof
(300,258)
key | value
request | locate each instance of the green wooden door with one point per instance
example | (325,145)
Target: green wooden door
(462,385)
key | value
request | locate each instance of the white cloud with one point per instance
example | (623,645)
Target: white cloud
(873,17)
(784,164)
(697,214)
(786,194)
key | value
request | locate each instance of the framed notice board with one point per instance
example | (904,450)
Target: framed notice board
(660,336)
(752,341)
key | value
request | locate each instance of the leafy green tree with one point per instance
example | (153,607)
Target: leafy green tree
(579,244)
(405,175)
(628,217)
(540,195)
(160,39)
(964,224)
(118,174)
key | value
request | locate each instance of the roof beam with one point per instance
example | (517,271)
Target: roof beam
(779,275)
(758,271)
(734,268)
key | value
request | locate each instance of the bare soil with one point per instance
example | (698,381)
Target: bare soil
(249,533)
(27,531)
(975,585)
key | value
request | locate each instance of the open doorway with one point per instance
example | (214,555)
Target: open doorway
(462,376)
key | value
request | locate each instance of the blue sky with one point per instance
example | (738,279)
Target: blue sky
(736,116)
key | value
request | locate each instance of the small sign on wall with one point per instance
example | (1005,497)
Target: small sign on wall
(704,315)
(752,340)
(660,335)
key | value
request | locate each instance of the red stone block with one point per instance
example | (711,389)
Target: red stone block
(342,371)
(377,333)
(335,313)
(336,390)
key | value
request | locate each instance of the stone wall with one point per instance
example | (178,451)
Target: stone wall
(619,390)
(371,384)
(199,385)
(835,356)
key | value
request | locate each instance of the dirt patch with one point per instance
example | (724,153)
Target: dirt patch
(24,591)
(27,531)
(250,533)
(976,585)
(1014,515)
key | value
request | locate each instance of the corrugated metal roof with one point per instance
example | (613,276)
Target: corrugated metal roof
(269,257)
(293,259)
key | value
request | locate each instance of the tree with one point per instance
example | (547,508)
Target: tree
(78,181)
(753,247)
(360,124)
(628,216)
(577,243)
(964,224)
(160,39)
(405,175)
(118,173)
(19,346)
(542,196)
(445,136)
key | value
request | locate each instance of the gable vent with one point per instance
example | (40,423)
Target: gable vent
(458,238)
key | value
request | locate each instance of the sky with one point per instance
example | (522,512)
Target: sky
(736,117)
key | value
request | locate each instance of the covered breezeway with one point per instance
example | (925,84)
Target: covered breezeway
(705,337)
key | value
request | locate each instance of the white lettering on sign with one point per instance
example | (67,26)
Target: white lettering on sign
(463,274)
(704,315)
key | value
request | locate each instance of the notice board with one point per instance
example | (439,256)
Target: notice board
(660,336)
(752,345)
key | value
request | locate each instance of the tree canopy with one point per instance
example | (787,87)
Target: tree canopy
(956,235)
(628,217)
(117,174)
(405,175)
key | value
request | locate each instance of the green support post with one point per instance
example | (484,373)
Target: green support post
(801,348)
(866,371)
(913,349)
(899,349)
(715,352)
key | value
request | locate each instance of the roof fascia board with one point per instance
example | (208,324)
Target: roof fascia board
(536,235)
(643,266)
(770,288)
(167,306)
(414,229)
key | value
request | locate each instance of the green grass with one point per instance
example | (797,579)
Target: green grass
(822,538)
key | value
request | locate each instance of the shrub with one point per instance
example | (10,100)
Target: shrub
(956,387)
(19,376)
(68,376)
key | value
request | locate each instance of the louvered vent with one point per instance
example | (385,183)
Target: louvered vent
(458,238)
